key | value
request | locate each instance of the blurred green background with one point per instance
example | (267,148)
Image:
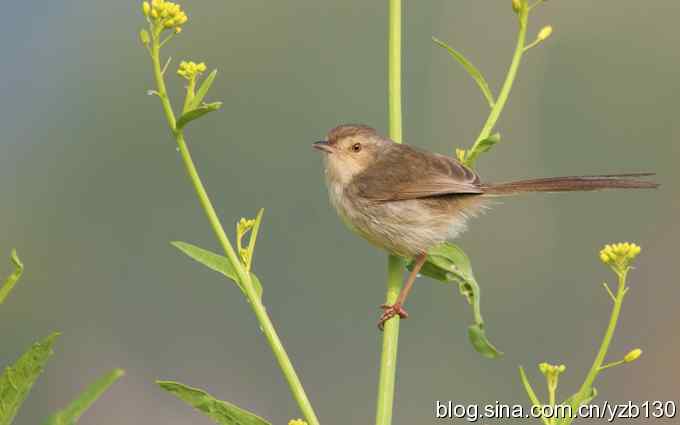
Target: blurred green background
(93,190)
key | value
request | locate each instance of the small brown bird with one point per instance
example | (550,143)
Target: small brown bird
(407,200)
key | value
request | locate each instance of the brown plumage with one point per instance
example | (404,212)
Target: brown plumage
(407,200)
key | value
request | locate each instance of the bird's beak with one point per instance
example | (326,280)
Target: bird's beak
(323,146)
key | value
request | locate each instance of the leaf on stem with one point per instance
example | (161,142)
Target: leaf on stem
(484,145)
(448,263)
(18,379)
(531,393)
(203,90)
(471,69)
(481,343)
(221,412)
(575,401)
(196,113)
(71,413)
(217,263)
(12,279)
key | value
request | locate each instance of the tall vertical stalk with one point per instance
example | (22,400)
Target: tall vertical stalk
(243,275)
(388,359)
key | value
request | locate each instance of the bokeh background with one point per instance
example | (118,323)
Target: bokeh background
(93,190)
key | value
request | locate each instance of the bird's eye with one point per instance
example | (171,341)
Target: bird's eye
(356,147)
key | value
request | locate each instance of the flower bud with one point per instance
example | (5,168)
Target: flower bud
(545,32)
(517,5)
(144,37)
(146,8)
(632,355)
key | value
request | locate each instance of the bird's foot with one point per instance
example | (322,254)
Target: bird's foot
(391,310)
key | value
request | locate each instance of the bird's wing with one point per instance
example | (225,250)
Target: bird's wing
(405,173)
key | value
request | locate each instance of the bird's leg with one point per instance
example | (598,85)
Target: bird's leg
(397,308)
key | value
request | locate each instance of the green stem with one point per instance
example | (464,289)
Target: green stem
(244,277)
(502,98)
(394,70)
(585,389)
(388,359)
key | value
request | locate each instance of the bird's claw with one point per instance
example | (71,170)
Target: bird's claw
(391,310)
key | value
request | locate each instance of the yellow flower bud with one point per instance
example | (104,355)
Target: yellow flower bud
(632,355)
(190,70)
(146,8)
(619,256)
(545,32)
(154,14)
(297,422)
(178,30)
(460,154)
(517,5)
(144,37)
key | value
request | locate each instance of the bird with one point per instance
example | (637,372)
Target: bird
(406,200)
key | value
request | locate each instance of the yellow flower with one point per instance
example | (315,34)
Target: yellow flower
(619,256)
(632,355)
(297,422)
(190,70)
(164,14)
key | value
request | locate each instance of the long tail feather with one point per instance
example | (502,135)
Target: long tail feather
(571,184)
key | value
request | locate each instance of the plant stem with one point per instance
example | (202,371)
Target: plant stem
(394,71)
(523,17)
(244,277)
(585,389)
(388,359)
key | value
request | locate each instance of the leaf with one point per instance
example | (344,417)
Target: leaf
(12,279)
(203,90)
(574,403)
(449,263)
(221,412)
(17,380)
(71,413)
(531,393)
(253,236)
(196,113)
(481,343)
(471,69)
(483,146)
(217,263)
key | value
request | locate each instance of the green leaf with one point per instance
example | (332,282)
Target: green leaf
(196,113)
(203,90)
(217,263)
(253,235)
(17,380)
(481,343)
(219,411)
(575,401)
(483,146)
(449,263)
(531,393)
(12,279)
(71,413)
(471,69)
